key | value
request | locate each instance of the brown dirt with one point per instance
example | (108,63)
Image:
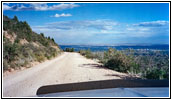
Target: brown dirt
(9,36)
(23,41)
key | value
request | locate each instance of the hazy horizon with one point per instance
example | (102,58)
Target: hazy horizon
(127,44)
(96,23)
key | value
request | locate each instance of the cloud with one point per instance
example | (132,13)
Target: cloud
(152,24)
(103,31)
(106,26)
(63,6)
(148,29)
(81,30)
(38,6)
(137,29)
(62,15)
(6,7)
(84,24)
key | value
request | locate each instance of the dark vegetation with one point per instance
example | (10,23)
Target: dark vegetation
(17,54)
(148,64)
(69,50)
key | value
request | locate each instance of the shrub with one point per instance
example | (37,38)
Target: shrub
(11,51)
(118,61)
(5,65)
(118,64)
(52,40)
(156,73)
(42,34)
(87,53)
(69,50)
(40,58)
(98,55)
(48,56)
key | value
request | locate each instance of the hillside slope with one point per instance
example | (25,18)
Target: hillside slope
(22,46)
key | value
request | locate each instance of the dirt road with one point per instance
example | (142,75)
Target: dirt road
(67,68)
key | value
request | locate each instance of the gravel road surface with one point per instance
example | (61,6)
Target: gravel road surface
(66,68)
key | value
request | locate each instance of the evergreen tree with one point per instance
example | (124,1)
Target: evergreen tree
(15,19)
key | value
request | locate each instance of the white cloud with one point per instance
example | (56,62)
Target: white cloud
(148,29)
(103,24)
(63,6)
(6,7)
(62,15)
(77,29)
(101,31)
(39,6)
(152,24)
(137,29)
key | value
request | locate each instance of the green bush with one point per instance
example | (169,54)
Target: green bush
(156,73)
(69,50)
(87,53)
(118,61)
(98,55)
(40,57)
(10,51)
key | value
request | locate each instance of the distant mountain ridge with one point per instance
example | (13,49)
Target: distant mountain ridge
(22,46)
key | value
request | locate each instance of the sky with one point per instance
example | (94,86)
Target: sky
(96,23)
